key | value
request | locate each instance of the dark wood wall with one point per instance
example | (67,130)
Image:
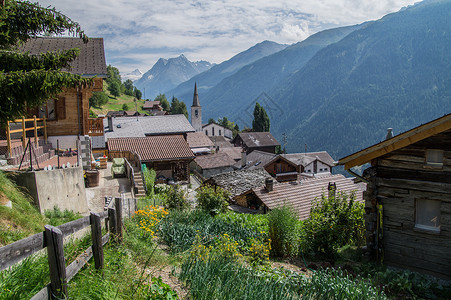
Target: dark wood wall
(396,181)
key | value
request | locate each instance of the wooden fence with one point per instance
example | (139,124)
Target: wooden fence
(52,239)
(24,130)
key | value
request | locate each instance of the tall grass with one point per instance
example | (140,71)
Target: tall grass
(225,279)
(20,221)
(219,278)
(179,229)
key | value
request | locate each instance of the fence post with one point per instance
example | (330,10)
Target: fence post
(35,124)
(57,264)
(24,133)
(96,234)
(118,206)
(112,220)
(8,137)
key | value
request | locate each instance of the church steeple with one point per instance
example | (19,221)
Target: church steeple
(196,96)
(196,111)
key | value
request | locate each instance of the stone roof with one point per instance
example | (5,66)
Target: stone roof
(198,139)
(233,152)
(300,195)
(221,141)
(154,148)
(258,139)
(89,63)
(146,126)
(213,161)
(238,182)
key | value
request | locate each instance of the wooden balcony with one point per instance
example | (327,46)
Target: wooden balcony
(95,126)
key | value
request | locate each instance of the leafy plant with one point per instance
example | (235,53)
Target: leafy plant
(149,177)
(212,200)
(335,220)
(176,199)
(57,217)
(283,231)
(160,291)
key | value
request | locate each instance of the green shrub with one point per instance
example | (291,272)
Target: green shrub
(57,217)
(176,199)
(212,200)
(149,178)
(334,222)
(283,231)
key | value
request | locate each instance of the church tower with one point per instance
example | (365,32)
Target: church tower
(196,111)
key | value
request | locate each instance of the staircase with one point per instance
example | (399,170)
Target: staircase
(139,183)
(43,152)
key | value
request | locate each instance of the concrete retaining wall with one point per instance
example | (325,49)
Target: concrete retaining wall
(63,188)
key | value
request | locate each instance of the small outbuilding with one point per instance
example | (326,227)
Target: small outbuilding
(408,199)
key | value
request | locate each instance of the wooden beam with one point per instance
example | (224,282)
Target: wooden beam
(96,234)
(402,140)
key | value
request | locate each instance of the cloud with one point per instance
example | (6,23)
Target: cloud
(138,32)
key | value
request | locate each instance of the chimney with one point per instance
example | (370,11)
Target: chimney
(389,133)
(269,183)
(332,188)
(243,159)
(110,123)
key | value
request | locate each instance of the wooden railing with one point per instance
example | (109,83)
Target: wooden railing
(52,239)
(95,126)
(24,130)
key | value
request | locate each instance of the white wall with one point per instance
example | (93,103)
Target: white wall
(321,168)
(208,130)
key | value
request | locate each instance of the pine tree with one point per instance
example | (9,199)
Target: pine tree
(25,80)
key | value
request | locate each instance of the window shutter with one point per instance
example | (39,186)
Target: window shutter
(61,108)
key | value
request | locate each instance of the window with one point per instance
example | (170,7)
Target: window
(47,110)
(206,132)
(427,214)
(196,113)
(434,158)
(213,131)
(219,131)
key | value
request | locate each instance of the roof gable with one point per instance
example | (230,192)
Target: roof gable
(397,142)
(89,63)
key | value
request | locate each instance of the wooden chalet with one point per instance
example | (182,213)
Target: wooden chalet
(152,106)
(67,116)
(250,141)
(168,155)
(293,166)
(408,199)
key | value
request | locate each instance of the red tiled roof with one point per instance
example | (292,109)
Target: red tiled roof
(301,195)
(153,148)
(198,139)
(217,160)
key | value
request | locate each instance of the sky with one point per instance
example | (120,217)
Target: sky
(138,32)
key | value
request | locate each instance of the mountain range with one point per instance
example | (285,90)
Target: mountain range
(217,73)
(340,89)
(168,73)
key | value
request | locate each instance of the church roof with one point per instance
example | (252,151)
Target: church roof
(196,96)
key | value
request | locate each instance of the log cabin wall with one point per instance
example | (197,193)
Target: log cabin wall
(67,111)
(399,180)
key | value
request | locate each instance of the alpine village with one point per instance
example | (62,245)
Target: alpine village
(314,170)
